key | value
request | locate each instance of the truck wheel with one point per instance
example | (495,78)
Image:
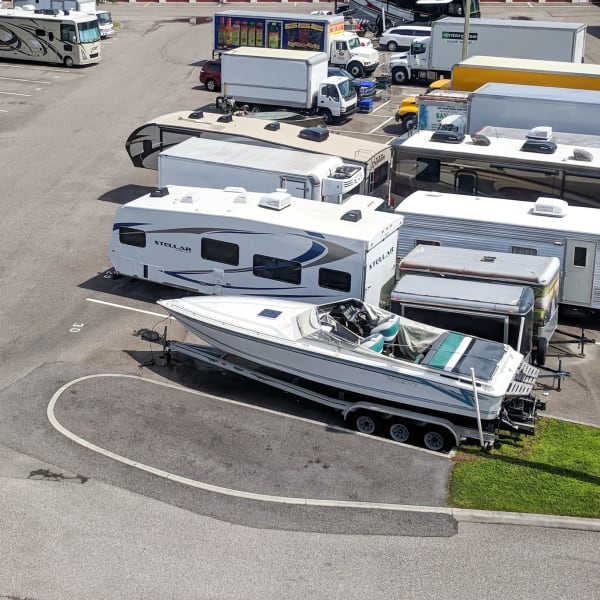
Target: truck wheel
(327,117)
(392,46)
(410,121)
(399,431)
(437,439)
(540,354)
(211,85)
(365,423)
(400,75)
(68,62)
(356,70)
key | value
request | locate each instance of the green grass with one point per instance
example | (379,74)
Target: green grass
(555,472)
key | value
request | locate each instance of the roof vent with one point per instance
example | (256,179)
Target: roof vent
(273,126)
(480,140)
(241,198)
(316,134)
(234,189)
(447,137)
(539,133)
(539,147)
(197,114)
(225,118)
(582,155)
(550,207)
(276,200)
(190,198)
(352,215)
(159,192)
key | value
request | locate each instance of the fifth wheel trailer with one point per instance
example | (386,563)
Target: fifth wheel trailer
(548,227)
(198,162)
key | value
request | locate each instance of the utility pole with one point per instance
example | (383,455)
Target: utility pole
(465,48)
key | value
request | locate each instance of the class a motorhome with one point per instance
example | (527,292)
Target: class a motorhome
(467,278)
(231,241)
(199,162)
(548,227)
(498,164)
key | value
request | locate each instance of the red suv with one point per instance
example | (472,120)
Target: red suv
(210,75)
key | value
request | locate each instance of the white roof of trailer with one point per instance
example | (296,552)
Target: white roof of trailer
(347,147)
(529,64)
(236,205)
(278,160)
(538,92)
(312,56)
(18,12)
(278,16)
(511,23)
(578,219)
(501,148)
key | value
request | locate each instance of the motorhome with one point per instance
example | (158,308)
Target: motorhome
(539,273)
(212,163)
(49,36)
(521,168)
(146,142)
(231,241)
(548,227)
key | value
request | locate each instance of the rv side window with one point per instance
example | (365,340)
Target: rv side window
(132,237)
(579,256)
(219,251)
(278,269)
(523,250)
(426,243)
(427,169)
(40,32)
(335,280)
(67,33)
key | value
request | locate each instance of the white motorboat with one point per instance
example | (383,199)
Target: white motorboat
(359,349)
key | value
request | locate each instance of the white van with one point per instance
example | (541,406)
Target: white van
(399,38)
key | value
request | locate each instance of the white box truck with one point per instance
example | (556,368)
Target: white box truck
(528,106)
(202,162)
(433,57)
(297,32)
(436,105)
(268,79)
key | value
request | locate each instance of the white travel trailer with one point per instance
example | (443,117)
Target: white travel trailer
(199,162)
(234,242)
(548,227)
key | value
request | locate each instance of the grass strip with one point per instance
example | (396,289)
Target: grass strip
(555,472)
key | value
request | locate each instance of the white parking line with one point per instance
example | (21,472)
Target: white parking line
(14,94)
(25,80)
(380,125)
(380,106)
(145,312)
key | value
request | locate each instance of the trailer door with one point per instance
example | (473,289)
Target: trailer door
(578,276)
(380,271)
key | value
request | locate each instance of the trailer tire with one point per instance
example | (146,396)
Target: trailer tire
(211,85)
(400,75)
(400,431)
(366,422)
(437,439)
(68,62)
(541,352)
(356,70)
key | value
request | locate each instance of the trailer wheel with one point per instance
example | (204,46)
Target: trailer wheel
(365,423)
(400,431)
(68,62)
(356,70)
(400,75)
(542,349)
(211,85)
(437,439)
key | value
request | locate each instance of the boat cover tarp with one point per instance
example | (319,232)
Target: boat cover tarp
(416,338)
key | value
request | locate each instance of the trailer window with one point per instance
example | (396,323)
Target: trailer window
(380,175)
(523,250)
(427,169)
(132,237)
(335,280)
(579,256)
(277,269)
(427,243)
(219,251)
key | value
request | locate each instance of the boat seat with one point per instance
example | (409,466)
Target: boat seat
(374,342)
(388,328)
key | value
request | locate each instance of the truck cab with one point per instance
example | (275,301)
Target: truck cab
(347,51)
(413,64)
(337,96)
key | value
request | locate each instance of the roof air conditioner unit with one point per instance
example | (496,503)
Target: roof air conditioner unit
(550,207)
(276,200)
(539,133)
(159,192)
(316,134)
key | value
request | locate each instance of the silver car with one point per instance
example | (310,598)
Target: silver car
(401,37)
